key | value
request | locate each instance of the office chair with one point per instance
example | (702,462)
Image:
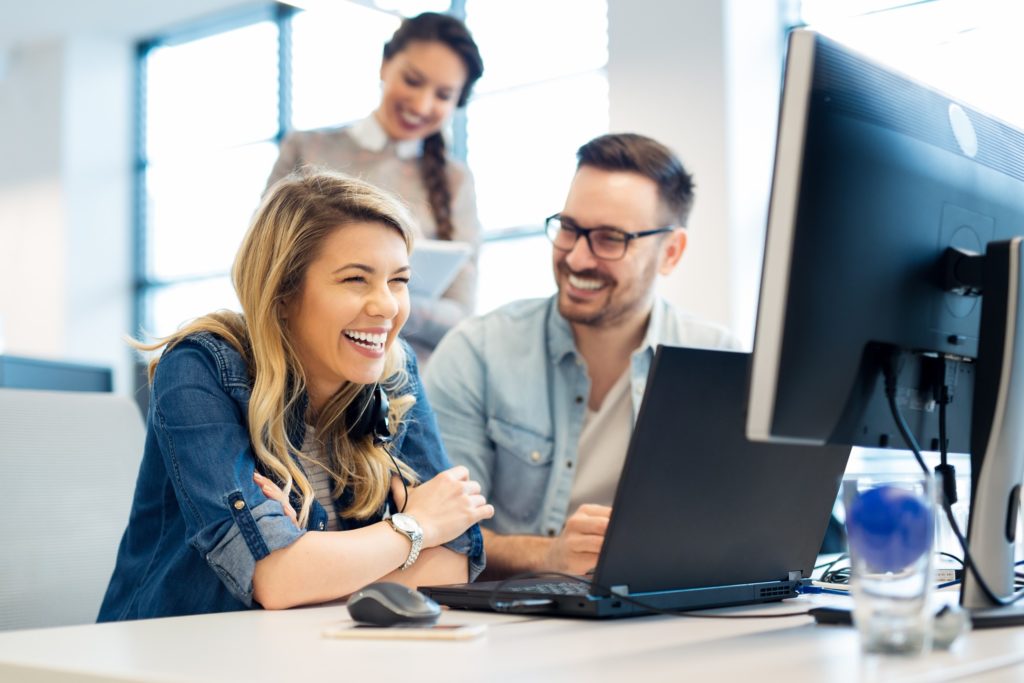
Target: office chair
(68,462)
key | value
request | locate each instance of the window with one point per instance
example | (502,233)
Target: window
(323,94)
(210,118)
(960,46)
(214,102)
(532,109)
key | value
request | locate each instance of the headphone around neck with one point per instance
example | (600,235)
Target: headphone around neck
(367,415)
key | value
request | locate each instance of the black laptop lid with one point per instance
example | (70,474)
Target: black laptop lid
(698,504)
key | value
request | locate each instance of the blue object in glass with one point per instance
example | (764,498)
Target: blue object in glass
(890,527)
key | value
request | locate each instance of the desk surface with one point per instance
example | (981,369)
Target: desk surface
(287,646)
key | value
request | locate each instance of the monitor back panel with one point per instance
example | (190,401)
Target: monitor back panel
(703,505)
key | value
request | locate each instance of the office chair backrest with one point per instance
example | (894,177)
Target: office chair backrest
(68,463)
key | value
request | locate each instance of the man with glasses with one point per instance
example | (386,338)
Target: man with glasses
(539,397)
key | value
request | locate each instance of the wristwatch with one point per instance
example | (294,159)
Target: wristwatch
(410,528)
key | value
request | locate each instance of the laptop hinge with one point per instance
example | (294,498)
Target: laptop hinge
(796,576)
(620,590)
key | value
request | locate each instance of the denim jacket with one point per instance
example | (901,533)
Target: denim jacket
(198,522)
(510,391)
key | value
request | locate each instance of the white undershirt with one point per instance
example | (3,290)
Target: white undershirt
(602,447)
(319,479)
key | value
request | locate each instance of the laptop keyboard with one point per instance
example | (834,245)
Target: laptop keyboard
(552,588)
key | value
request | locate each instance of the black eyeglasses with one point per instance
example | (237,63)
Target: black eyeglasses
(607,244)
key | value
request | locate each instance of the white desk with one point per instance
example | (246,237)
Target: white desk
(287,646)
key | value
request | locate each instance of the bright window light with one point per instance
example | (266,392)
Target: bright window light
(515,269)
(173,306)
(212,93)
(198,212)
(410,7)
(528,41)
(522,179)
(554,86)
(336,58)
(963,47)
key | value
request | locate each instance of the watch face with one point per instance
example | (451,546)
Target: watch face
(405,523)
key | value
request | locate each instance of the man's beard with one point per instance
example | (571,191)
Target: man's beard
(607,316)
(603,316)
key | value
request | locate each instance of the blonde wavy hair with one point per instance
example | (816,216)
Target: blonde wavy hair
(297,214)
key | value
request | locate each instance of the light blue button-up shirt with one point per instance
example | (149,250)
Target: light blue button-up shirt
(510,392)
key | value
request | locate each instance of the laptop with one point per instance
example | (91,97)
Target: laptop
(702,517)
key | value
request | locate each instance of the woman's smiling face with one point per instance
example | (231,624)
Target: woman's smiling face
(353,302)
(420,88)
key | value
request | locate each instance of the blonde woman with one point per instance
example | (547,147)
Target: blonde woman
(271,475)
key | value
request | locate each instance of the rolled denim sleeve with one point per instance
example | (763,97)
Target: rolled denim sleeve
(204,442)
(420,447)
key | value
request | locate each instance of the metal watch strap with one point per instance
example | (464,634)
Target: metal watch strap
(415,538)
(414,551)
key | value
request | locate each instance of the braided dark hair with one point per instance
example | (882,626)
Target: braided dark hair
(439,28)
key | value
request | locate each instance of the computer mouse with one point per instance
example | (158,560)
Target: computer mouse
(386,604)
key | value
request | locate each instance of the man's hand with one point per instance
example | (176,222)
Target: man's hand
(576,549)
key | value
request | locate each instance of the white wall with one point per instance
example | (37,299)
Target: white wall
(32,255)
(65,231)
(702,76)
(96,174)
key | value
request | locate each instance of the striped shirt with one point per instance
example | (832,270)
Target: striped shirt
(319,477)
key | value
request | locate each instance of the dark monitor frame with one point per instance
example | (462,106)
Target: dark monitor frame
(882,191)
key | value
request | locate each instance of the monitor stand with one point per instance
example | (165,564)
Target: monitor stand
(997,437)
(997,617)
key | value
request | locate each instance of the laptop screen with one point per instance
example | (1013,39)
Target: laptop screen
(699,505)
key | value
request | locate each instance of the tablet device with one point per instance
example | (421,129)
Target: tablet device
(435,263)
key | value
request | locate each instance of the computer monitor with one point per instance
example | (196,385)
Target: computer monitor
(887,274)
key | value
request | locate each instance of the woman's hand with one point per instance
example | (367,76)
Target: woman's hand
(445,506)
(274,492)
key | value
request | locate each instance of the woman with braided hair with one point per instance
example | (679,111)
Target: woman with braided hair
(430,65)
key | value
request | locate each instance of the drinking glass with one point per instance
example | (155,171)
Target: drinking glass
(890,522)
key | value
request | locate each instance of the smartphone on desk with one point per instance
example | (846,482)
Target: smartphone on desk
(410,632)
